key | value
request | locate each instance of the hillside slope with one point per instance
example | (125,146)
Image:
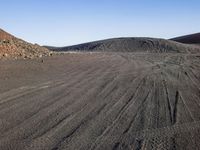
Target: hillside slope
(131,45)
(11,46)
(188,39)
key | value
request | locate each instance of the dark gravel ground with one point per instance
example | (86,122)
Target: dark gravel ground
(101,101)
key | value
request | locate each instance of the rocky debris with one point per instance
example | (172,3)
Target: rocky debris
(12,47)
(5,36)
(5,55)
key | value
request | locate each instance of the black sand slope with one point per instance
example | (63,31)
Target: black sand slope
(188,39)
(151,45)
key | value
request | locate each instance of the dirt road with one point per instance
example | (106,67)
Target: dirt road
(101,101)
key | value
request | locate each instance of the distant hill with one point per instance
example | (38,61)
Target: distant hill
(130,45)
(188,39)
(11,46)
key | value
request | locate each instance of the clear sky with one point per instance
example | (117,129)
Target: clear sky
(68,22)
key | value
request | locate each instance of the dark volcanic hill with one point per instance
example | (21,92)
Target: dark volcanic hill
(131,45)
(11,46)
(188,39)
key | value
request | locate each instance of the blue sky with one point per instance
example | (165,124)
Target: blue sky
(68,22)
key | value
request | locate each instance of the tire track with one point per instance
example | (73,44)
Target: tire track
(16,98)
(93,126)
(120,115)
(52,101)
(32,119)
(73,118)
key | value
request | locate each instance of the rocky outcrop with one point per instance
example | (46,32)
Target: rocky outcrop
(12,47)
